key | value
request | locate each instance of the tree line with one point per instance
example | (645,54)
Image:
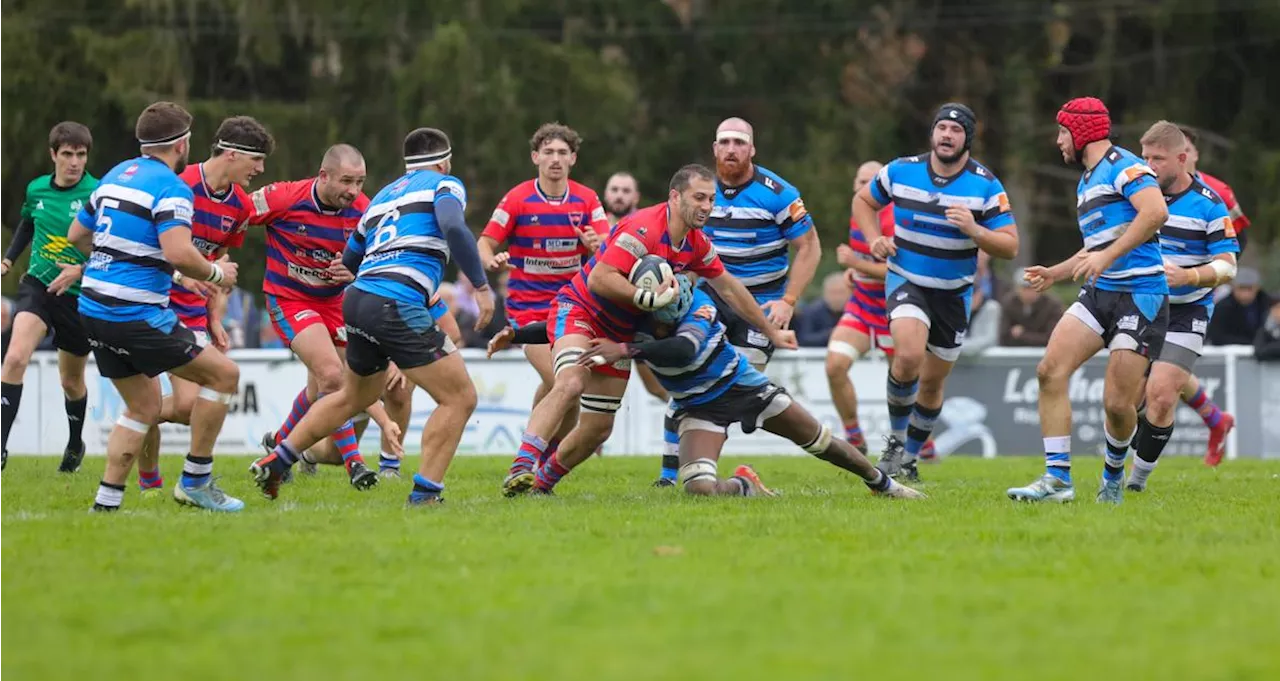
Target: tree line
(827,83)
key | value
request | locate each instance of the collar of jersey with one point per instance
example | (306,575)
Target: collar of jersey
(208,192)
(737,189)
(537,189)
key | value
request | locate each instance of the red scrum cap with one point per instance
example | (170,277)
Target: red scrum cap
(1088,120)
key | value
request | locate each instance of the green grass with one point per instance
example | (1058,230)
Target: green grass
(615,580)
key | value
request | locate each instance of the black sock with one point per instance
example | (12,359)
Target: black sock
(75,421)
(670,462)
(11,394)
(1152,440)
(880,484)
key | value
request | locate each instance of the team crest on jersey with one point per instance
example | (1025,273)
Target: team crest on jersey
(575,219)
(227,224)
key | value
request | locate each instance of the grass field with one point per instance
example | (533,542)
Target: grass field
(615,580)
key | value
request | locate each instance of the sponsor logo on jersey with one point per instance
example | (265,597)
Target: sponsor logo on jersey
(1128,322)
(304,315)
(632,245)
(558,245)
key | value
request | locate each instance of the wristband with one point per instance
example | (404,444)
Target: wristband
(1195,271)
(643,299)
(178,277)
(215,276)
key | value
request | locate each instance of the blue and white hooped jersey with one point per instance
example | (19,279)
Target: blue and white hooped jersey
(1104,213)
(403,247)
(127,277)
(752,226)
(716,366)
(1199,228)
(933,253)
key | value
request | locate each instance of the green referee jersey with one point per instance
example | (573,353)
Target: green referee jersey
(52,209)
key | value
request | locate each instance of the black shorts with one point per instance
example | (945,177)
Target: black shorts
(748,406)
(1184,341)
(125,349)
(382,330)
(753,344)
(60,313)
(1125,321)
(945,312)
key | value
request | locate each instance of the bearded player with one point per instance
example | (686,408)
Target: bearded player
(758,223)
(602,303)
(551,226)
(947,207)
(1123,305)
(221,203)
(714,386)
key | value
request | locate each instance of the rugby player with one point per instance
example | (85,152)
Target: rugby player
(758,221)
(398,252)
(137,227)
(621,197)
(551,226)
(1199,248)
(601,302)
(714,386)
(946,207)
(1123,305)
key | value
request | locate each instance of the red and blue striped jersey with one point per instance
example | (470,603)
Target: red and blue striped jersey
(219,222)
(642,233)
(303,237)
(542,236)
(869,291)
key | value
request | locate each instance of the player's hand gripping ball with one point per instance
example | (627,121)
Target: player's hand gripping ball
(655,283)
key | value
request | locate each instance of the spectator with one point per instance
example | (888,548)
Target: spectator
(1266,346)
(1028,316)
(1237,319)
(816,320)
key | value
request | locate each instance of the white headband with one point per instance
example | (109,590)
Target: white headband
(242,148)
(733,135)
(172,139)
(424,160)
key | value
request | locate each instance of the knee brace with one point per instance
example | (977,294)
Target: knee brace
(566,358)
(820,442)
(214,396)
(698,470)
(601,404)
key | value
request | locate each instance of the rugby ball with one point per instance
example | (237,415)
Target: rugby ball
(650,271)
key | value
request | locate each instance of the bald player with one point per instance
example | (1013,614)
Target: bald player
(308,223)
(863,324)
(765,237)
(621,196)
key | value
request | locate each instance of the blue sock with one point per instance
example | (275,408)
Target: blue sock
(919,427)
(285,453)
(388,462)
(424,488)
(901,398)
(671,446)
(196,471)
(1057,457)
(1117,450)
